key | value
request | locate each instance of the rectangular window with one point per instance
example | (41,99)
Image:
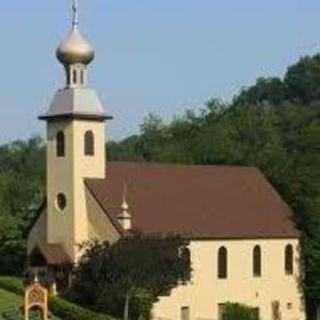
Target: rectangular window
(276,312)
(185,313)
(221,311)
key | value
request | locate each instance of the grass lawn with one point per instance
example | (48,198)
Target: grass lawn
(9,300)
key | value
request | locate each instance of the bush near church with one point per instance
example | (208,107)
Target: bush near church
(69,311)
(125,279)
(16,314)
(12,284)
(236,311)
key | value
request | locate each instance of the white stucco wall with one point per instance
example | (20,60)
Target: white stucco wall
(205,291)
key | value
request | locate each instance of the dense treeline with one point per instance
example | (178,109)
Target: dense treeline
(22,169)
(273,125)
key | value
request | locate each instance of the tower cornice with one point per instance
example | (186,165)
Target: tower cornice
(75,116)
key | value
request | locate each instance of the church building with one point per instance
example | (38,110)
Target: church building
(244,245)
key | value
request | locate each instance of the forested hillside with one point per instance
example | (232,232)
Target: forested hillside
(22,169)
(273,125)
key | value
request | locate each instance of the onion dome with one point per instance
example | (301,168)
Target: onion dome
(75,49)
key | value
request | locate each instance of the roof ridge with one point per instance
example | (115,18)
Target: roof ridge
(182,165)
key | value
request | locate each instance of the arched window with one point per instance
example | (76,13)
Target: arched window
(256,261)
(222,263)
(60,144)
(89,143)
(75,80)
(288,259)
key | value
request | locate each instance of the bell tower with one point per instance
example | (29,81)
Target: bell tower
(75,144)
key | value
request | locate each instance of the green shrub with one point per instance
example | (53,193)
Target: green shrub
(12,284)
(70,311)
(140,304)
(11,314)
(17,314)
(58,306)
(236,311)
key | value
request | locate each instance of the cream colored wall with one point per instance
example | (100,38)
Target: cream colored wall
(60,177)
(86,167)
(66,175)
(38,234)
(206,291)
(100,227)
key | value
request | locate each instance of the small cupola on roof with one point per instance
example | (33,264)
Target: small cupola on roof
(124,217)
(76,99)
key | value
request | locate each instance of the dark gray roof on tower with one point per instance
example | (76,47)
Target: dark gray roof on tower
(75,102)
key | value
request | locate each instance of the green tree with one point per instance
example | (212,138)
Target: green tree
(22,168)
(303,80)
(130,274)
(126,150)
(265,90)
(153,137)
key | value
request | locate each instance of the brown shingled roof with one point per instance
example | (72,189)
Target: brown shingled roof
(196,201)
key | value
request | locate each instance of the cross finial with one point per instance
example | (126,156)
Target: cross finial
(75,11)
(124,217)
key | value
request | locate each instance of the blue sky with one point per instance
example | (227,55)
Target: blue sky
(159,56)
